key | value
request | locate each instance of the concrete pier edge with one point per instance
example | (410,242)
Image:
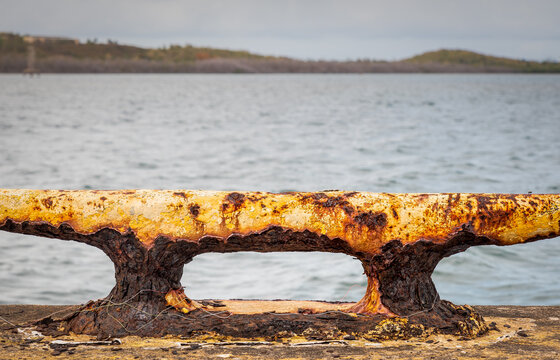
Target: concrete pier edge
(518,332)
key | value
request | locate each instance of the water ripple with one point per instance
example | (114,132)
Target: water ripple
(392,133)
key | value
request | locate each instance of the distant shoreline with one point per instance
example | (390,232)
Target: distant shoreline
(34,54)
(242,66)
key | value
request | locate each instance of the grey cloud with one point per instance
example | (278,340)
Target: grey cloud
(304,28)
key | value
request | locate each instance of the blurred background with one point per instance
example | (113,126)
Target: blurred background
(465,131)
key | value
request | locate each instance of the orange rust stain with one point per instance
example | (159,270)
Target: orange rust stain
(194,210)
(235,198)
(47,202)
(373,221)
(180,301)
(371,303)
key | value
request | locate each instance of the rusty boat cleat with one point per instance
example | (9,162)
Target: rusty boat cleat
(399,239)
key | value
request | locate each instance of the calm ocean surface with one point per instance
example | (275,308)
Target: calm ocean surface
(380,133)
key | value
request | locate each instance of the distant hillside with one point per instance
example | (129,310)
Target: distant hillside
(66,55)
(47,47)
(465,57)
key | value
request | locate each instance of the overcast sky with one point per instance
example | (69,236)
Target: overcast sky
(308,29)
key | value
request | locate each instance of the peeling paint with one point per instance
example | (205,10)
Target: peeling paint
(365,221)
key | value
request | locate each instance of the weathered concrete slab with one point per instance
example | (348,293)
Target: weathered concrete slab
(518,333)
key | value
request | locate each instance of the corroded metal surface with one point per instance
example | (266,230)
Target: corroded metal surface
(366,221)
(399,238)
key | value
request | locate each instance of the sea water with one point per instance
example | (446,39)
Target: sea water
(379,133)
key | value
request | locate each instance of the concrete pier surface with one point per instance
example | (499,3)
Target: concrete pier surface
(517,332)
